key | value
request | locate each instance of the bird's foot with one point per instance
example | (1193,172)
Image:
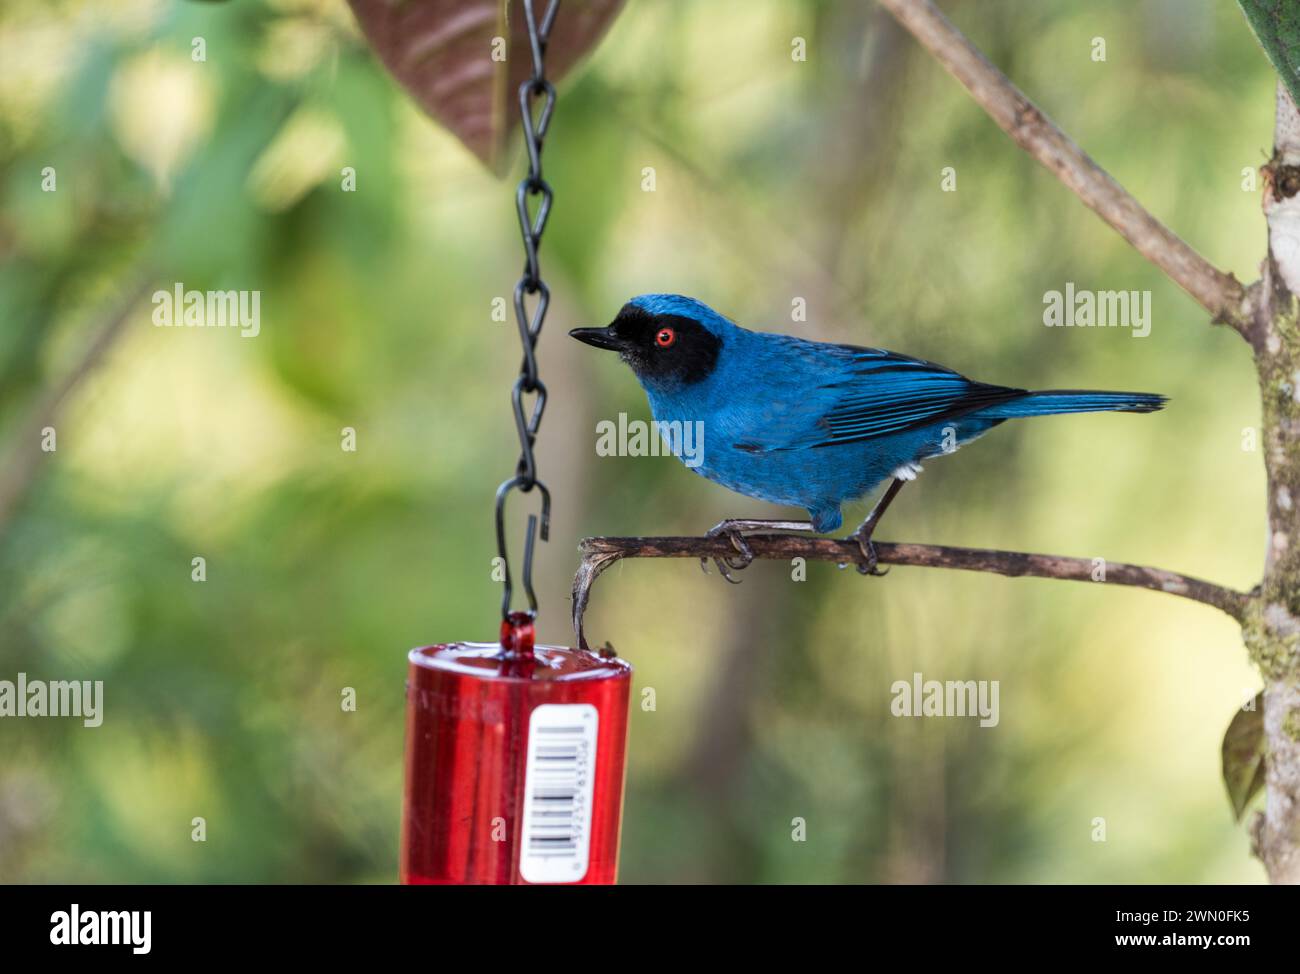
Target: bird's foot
(733,529)
(868,527)
(870,559)
(727,565)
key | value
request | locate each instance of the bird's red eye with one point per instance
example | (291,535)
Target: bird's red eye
(665,337)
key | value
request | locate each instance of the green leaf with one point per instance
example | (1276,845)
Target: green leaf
(1243,755)
(1277,25)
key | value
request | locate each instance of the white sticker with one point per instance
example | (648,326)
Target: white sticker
(556,837)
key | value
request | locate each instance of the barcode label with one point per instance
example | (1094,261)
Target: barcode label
(556,839)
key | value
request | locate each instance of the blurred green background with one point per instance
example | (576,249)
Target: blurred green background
(774,180)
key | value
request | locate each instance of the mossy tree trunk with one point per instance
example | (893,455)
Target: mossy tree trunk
(1272,629)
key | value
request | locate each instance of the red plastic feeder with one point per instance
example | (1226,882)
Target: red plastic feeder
(514,762)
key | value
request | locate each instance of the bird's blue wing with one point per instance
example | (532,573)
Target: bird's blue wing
(886,393)
(828,395)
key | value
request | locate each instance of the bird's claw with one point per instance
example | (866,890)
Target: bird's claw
(868,564)
(724,568)
(728,565)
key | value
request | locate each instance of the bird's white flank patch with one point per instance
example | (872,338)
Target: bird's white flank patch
(908,471)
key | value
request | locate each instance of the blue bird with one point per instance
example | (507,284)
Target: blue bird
(811,424)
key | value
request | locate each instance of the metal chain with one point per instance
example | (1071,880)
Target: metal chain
(535,124)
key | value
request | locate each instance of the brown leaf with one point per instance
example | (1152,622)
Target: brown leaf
(1243,756)
(441,52)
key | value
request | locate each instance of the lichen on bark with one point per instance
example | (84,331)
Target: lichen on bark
(1272,638)
(1272,625)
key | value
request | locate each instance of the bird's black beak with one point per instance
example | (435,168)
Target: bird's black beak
(599,337)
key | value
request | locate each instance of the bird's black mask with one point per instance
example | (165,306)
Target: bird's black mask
(659,348)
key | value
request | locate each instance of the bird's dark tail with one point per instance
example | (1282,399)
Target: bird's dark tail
(1053,401)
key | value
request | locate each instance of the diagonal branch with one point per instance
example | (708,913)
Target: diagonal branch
(599,554)
(22,463)
(1219,293)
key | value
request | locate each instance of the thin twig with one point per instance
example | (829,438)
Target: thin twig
(22,461)
(599,553)
(1219,293)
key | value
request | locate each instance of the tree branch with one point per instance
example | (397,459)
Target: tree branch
(1219,293)
(599,554)
(22,462)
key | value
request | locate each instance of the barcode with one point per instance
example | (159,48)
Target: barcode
(556,832)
